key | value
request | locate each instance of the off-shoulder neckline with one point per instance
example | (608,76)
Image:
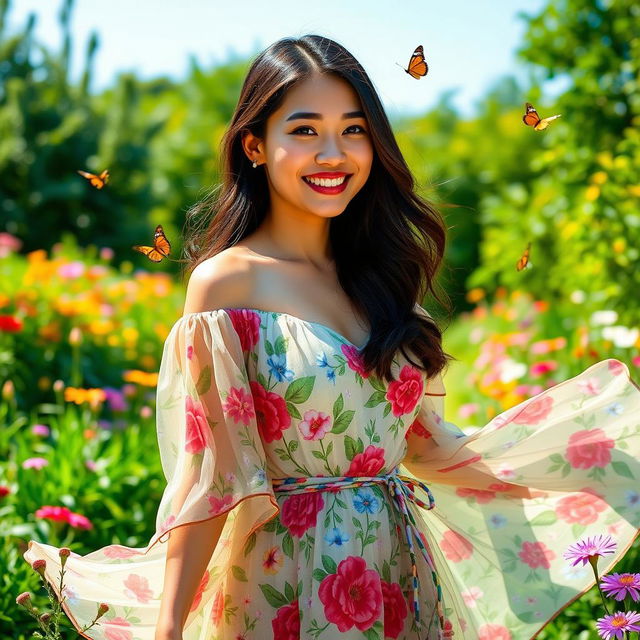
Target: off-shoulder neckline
(310,323)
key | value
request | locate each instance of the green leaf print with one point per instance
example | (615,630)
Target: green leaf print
(250,544)
(343,422)
(319,574)
(545,518)
(376,398)
(577,530)
(329,564)
(352,447)
(300,389)
(338,406)
(293,411)
(238,573)
(374,632)
(622,469)
(204,380)
(273,596)
(287,545)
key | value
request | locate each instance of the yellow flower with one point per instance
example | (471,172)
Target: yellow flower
(141,377)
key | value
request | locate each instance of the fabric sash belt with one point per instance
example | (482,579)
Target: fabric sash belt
(401,489)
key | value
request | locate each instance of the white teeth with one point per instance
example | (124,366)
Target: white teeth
(322,182)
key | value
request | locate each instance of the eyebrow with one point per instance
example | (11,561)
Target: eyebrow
(308,115)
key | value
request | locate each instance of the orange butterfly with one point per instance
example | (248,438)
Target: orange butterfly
(418,66)
(96,181)
(161,246)
(532,118)
(524,260)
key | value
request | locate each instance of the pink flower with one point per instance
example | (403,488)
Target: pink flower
(471,596)
(271,412)
(581,507)
(8,244)
(469,409)
(367,463)
(616,624)
(620,585)
(591,386)
(405,393)
(455,546)
(111,631)
(352,596)
(354,359)
(35,463)
(247,325)
(300,511)
(286,624)
(589,550)
(481,496)
(395,609)
(616,367)
(538,369)
(534,412)
(59,514)
(418,428)
(71,270)
(589,448)
(218,505)
(536,554)
(118,551)
(4,490)
(79,521)
(493,632)
(138,587)
(198,431)
(315,425)
(40,429)
(239,405)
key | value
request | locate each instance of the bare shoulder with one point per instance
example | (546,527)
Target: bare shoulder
(224,280)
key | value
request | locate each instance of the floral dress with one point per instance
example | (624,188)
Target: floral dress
(355,510)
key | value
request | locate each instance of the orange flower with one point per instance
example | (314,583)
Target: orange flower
(272,560)
(141,377)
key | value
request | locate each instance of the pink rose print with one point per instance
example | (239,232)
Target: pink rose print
(471,596)
(204,581)
(218,607)
(354,359)
(300,511)
(315,425)
(581,508)
(418,428)
(116,551)
(493,632)
(117,634)
(481,496)
(395,609)
(352,596)
(448,628)
(456,547)
(166,524)
(286,624)
(271,411)
(616,367)
(218,505)
(247,326)
(138,587)
(190,352)
(536,554)
(367,463)
(239,405)
(533,413)
(404,394)
(197,427)
(589,448)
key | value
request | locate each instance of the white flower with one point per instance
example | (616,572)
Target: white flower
(603,317)
(621,336)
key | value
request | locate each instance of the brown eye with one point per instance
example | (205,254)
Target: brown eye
(295,131)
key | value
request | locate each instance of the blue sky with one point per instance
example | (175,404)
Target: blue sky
(468,45)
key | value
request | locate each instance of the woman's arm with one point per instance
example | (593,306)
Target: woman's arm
(188,553)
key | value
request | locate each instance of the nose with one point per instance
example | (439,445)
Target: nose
(331,151)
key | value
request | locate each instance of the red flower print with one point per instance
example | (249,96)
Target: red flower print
(198,431)
(315,425)
(117,551)
(456,547)
(404,394)
(204,581)
(395,609)
(581,508)
(418,428)
(118,634)
(352,596)
(138,587)
(218,505)
(354,359)
(536,554)
(448,628)
(247,326)
(286,624)
(494,632)
(367,463)
(271,412)
(534,412)
(272,560)
(481,496)
(459,465)
(300,511)
(589,448)
(239,405)
(218,607)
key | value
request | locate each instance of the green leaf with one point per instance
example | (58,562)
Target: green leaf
(238,573)
(386,571)
(273,596)
(578,529)
(204,380)
(375,399)
(300,389)
(250,544)
(343,422)
(544,518)
(287,545)
(329,564)
(319,574)
(317,454)
(292,410)
(350,446)
(622,469)
(289,592)
(338,406)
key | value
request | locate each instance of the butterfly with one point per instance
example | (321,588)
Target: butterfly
(96,181)
(524,260)
(418,66)
(161,246)
(532,118)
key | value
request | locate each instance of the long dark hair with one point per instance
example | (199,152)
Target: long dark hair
(388,244)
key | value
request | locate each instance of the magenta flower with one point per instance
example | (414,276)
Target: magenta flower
(616,624)
(621,584)
(588,550)
(35,463)
(40,429)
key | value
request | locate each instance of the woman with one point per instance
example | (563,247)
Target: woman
(304,382)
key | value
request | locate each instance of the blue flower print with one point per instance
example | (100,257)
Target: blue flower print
(632,498)
(321,360)
(615,409)
(365,502)
(497,521)
(278,368)
(337,537)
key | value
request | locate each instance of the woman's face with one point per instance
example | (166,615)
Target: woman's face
(298,144)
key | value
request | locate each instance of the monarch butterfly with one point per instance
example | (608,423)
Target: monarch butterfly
(96,181)
(524,260)
(161,246)
(418,66)
(532,118)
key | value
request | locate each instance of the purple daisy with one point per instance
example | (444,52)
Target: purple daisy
(588,550)
(621,584)
(615,625)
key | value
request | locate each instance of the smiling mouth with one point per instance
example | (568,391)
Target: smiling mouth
(337,189)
